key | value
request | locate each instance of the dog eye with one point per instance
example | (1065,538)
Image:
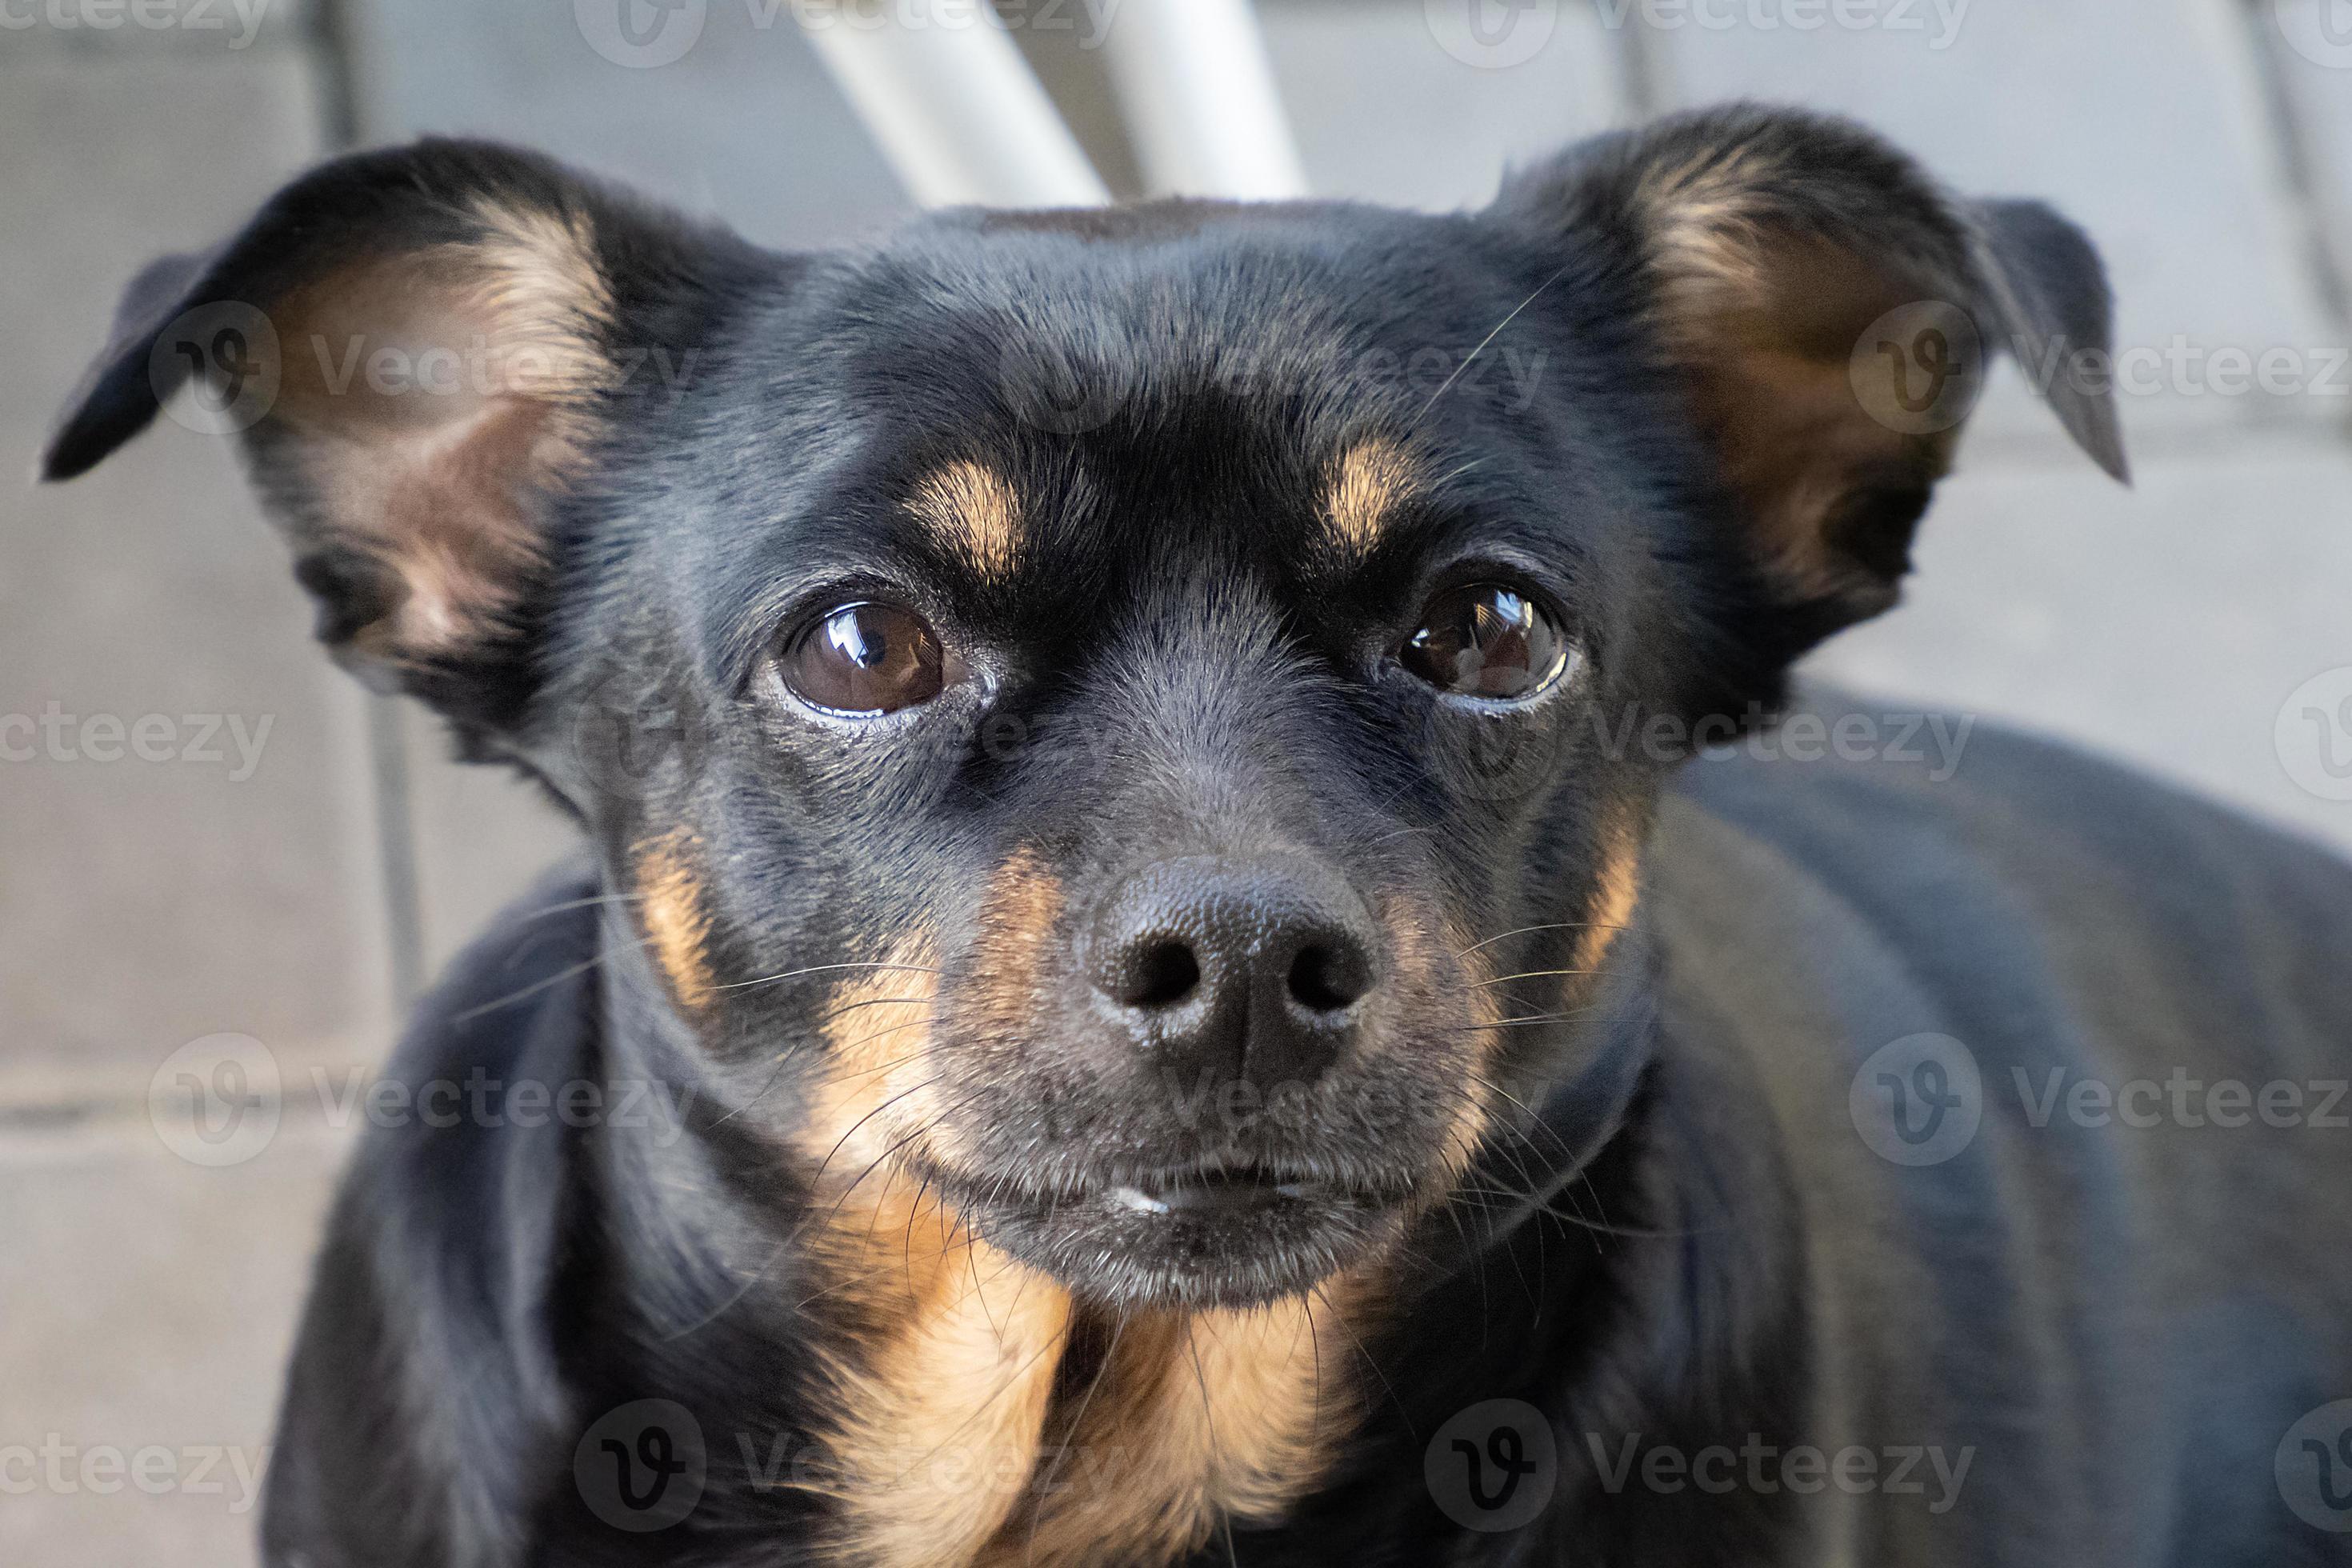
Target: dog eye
(1485,640)
(864,659)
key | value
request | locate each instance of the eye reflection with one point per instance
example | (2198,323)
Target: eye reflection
(864,659)
(1485,640)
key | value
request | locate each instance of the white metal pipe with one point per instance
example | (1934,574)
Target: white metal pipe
(957,111)
(1198,94)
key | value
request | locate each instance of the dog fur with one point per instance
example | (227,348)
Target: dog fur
(1170,486)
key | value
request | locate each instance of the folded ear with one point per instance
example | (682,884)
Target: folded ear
(422,349)
(1831,312)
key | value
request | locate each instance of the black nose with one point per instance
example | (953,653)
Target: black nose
(1245,968)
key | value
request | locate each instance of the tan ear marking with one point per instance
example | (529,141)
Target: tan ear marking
(1764,313)
(973,511)
(670,904)
(1366,486)
(426,394)
(1701,215)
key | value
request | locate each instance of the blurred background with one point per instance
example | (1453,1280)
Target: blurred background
(206,831)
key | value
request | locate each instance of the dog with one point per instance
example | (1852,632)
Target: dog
(1202,867)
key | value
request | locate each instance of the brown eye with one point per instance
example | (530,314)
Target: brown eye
(864,659)
(1484,640)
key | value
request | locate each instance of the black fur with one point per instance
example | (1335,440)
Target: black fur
(1683,1243)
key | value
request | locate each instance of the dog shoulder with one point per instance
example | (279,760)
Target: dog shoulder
(420,1378)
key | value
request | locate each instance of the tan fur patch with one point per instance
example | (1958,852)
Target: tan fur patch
(670,904)
(949,1358)
(974,511)
(426,396)
(947,1443)
(941,1423)
(1617,888)
(1765,320)
(941,1384)
(1367,485)
(1476,981)
(1701,215)
(877,1082)
(1193,1419)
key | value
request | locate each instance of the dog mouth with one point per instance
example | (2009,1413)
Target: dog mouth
(1193,1237)
(1215,1193)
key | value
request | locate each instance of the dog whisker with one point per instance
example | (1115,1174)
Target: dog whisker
(1529,930)
(1525,975)
(825,968)
(533,989)
(1447,385)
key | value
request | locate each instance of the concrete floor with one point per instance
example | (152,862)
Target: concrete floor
(148,908)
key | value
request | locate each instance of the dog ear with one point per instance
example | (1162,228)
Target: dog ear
(421,348)
(1830,313)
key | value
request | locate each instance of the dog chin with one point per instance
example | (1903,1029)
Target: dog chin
(1192,1243)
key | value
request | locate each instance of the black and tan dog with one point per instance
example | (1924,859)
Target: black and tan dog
(1137,788)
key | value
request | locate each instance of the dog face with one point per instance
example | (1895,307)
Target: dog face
(1138,725)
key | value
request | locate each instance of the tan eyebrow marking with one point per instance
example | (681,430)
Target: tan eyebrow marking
(974,509)
(1368,483)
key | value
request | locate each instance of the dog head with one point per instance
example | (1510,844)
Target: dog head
(1119,717)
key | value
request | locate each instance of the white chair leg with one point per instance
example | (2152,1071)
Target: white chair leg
(957,111)
(1198,94)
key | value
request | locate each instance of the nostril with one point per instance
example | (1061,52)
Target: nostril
(1160,975)
(1325,979)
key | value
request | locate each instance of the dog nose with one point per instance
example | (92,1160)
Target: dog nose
(1246,968)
